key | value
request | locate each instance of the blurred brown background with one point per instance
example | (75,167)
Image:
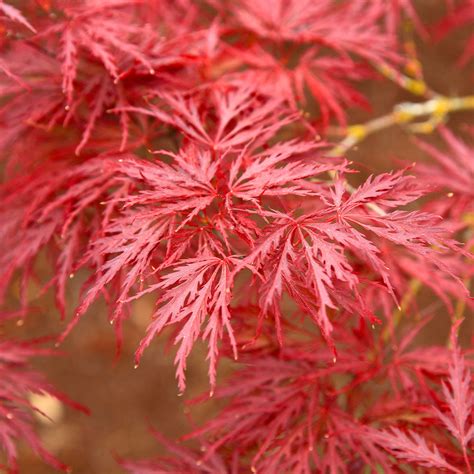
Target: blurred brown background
(123,400)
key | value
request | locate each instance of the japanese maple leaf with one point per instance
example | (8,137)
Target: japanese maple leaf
(37,103)
(254,182)
(282,418)
(196,296)
(56,209)
(328,79)
(279,170)
(325,22)
(237,115)
(111,35)
(17,381)
(311,252)
(185,189)
(459,396)
(301,259)
(453,171)
(132,239)
(412,447)
(104,32)
(417,232)
(33,98)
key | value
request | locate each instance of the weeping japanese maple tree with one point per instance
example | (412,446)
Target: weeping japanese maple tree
(198,153)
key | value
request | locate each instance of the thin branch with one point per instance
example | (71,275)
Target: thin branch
(435,111)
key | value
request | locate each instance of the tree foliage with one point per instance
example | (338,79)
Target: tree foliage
(185,150)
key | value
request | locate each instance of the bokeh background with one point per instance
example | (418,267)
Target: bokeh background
(125,401)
